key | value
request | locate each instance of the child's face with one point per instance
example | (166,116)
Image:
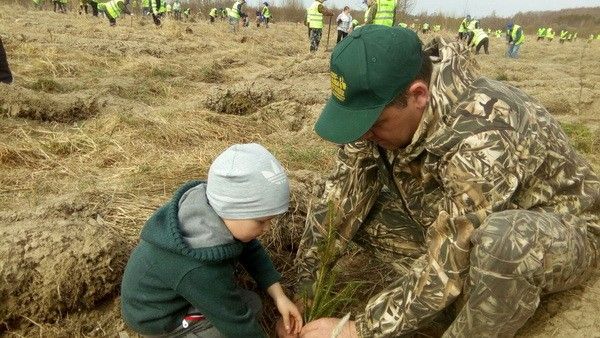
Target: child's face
(246,230)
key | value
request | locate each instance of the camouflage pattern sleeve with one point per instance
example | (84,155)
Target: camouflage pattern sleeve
(479,177)
(351,190)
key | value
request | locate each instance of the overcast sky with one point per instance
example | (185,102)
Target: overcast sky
(477,8)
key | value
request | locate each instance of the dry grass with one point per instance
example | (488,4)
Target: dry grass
(167,102)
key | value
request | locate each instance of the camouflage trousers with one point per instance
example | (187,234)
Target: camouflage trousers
(314,34)
(516,257)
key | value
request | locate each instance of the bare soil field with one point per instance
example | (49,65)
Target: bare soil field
(102,124)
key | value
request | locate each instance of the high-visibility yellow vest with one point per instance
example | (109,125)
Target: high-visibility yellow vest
(385,13)
(541,32)
(463,26)
(233,12)
(472,25)
(563,34)
(550,34)
(478,35)
(513,34)
(145,3)
(113,9)
(266,12)
(213,12)
(176,7)
(313,16)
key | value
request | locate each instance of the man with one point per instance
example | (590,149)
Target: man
(473,25)
(60,6)
(462,183)
(381,12)
(113,10)
(212,14)
(146,10)
(515,38)
(425,28)
(176,8)
(549,34)
(158,8)
(83,8)
(541,33)
(463,29)
(5,74)
(314,21)
(235,14)
(266,14)
(563,35)
(480,38)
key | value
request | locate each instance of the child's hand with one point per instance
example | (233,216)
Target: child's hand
(292,319)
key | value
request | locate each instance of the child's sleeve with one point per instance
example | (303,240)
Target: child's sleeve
(212,290)
(256,261)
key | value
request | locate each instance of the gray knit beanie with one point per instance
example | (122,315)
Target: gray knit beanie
(247,182)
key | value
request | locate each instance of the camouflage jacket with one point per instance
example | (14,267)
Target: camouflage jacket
(482,146)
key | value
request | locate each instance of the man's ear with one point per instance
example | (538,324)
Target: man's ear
(418,94)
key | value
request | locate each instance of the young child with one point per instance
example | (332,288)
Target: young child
(179,280)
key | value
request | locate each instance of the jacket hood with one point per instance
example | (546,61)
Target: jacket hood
(188,226)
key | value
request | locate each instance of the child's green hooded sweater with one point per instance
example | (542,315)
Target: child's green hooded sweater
(186,257)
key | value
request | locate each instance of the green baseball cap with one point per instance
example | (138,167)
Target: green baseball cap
(368,69)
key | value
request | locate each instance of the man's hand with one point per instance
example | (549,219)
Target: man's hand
(323,327)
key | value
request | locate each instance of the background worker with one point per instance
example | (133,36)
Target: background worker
(515,38)
(381,12)
(83,7)
(157,7)
(541,33)
(314,21)
(168,9)
(480,38)
(344,24)
(176,9)
(236,13)
(59,6)
(549,34)
(473,25)
(463,28)
(146,10)
(212,15)
(266,14)
(113,10)
(563,35)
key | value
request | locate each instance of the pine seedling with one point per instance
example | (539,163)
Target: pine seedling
(326,301)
